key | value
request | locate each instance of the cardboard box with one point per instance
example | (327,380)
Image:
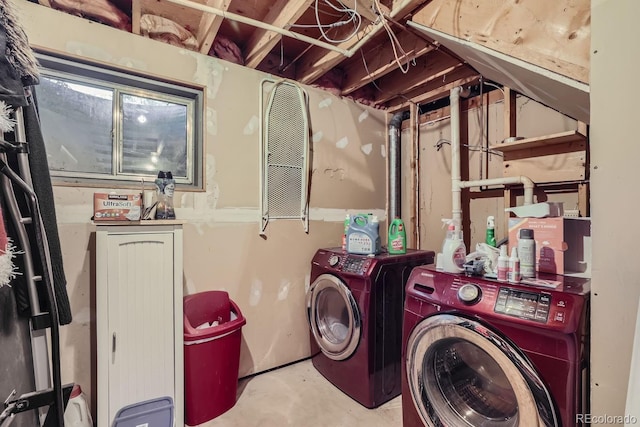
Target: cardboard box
(116,207)
(563,245)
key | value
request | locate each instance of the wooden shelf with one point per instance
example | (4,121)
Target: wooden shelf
(562,138)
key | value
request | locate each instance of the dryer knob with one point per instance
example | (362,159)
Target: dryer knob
(334,260)
(469,293)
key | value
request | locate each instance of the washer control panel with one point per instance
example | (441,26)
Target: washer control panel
(522,304)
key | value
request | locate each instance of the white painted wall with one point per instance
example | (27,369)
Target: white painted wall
(615,151)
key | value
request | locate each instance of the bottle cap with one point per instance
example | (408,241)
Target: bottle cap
(161,174)
(169,175)
(503,250)
(514,252)
(491,222)
(526,233)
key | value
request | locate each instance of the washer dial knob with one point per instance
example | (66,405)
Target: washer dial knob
(469,293)
(334,260)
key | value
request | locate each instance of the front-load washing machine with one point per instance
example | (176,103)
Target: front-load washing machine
(355,309)
(479,352)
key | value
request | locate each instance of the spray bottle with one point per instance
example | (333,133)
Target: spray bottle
(490,238)
(454,251)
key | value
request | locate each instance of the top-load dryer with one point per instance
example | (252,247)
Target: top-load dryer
(355,308)
(479,352)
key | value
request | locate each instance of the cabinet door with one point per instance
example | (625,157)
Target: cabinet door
(140,282)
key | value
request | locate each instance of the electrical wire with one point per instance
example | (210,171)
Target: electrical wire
(354,17)
(395,43)
(438,145)
(495,85)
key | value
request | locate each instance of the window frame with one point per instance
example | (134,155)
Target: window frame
(124,82)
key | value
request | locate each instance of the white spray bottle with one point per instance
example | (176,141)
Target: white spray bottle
(454,251)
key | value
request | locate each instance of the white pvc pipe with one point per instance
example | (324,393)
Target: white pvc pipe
(259,24)
(456,181)
(525,181)
(456,190)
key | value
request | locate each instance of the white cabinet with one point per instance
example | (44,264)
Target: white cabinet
(139,316)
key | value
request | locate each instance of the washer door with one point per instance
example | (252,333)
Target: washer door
(333,316)
(462,374)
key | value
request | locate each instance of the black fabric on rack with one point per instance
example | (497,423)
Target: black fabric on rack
(42,186)
(13,94)
(11,88)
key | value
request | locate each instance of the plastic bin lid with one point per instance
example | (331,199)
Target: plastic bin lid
(154,412)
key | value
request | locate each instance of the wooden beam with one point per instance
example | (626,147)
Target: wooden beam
(583,199)
(210,24)
(435,89)
(262,41)
(466,104)
(428,68)
(413,237)
(318,61)
(136,14)
(365,8)
(381,60)
(509,112)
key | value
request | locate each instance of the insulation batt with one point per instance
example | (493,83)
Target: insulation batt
(100,10)
(224,48)
(165,30)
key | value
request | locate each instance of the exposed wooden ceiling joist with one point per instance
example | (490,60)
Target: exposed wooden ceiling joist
(380,61)
(282,13)
(428,68)
(436,88)
(210,24)
(318,61)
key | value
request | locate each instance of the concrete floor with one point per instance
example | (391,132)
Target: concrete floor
(297,395)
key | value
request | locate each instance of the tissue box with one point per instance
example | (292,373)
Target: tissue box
(563,245)
(116,207)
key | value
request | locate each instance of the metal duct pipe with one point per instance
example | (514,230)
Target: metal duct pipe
(394,166)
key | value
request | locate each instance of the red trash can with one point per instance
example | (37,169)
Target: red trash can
(212,335)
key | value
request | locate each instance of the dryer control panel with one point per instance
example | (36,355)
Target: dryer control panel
(348,263)
(355,265)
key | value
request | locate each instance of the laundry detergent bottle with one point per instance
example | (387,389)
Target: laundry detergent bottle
(363,235)
(397,240)
(454,251)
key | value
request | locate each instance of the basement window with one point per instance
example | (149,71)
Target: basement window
(106,127)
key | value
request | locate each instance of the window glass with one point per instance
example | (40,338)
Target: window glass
(100,124)
(154,136)
(86,146)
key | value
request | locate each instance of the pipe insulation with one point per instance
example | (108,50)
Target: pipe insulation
(395,125)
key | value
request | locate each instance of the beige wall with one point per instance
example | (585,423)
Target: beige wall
(533,119)
(614,162)
(268,276)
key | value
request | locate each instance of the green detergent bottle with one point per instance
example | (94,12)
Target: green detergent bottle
(397,243)
(490,237)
